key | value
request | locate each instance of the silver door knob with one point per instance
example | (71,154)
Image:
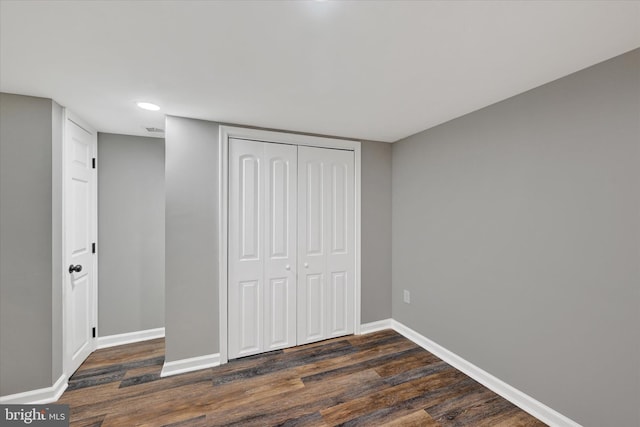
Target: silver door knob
(287,267)
(306,265)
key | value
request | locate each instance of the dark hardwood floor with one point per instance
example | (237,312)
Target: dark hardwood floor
(368,380)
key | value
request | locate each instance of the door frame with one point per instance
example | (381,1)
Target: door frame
(227,132)
(66,357)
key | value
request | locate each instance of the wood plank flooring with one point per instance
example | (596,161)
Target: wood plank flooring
(368,380)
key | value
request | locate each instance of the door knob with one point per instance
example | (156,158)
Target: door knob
(287,267)
(75,268)
(306,265)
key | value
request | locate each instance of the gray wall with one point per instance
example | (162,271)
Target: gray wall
(376,231)
(26,265)
(191,269)
(131,205)
(192,238)
(517,230)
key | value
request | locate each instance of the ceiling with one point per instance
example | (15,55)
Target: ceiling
(366,70)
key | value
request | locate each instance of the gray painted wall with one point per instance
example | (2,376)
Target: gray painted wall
(191,268)
(26,266)
(192,238)
(131,203)
(517,230)
(376,231)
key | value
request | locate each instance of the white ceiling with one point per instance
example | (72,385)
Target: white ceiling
(367,70)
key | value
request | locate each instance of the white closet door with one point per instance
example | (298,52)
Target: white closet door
(311,246)
(262,256)
(246,258)
(340,236)
(280,245)
(326,235)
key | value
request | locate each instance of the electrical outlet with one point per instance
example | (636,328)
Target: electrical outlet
(406,296)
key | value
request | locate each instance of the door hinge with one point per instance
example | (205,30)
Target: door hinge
(93,332)
(93,248)
(93,163)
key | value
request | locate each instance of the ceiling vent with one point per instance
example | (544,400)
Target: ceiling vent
(154,130)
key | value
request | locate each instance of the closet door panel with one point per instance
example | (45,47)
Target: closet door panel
(246,253)
(312,295)
(281,208)
(325,243)
(340,233)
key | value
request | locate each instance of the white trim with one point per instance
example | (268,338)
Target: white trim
(191,364)
(223,207)
(63,237)
(357,175)
(378,325)
(227,132)
(130,337)
(513,395)
(286,138)
(38,396)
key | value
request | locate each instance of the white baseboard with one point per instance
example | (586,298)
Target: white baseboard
(39,396)
(513,395)
(379,325)
(130,337)
(192,364)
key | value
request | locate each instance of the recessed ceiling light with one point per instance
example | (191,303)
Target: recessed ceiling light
(148,106)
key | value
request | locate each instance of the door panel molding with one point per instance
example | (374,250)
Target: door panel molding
(228,132)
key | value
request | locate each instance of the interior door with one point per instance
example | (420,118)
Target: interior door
(80,231)
(326,235)
(261,253)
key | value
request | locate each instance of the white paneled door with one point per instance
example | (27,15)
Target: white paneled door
(80,231)
(326,235)
(280,246)
(262,247)
(290,247)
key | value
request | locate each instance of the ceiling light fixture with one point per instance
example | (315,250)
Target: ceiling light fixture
(148,106)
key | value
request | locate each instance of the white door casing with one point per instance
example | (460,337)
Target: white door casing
(326,288)
(227,133)
(79,230)
(262,256)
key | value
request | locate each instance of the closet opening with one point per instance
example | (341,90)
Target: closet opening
(289,240)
